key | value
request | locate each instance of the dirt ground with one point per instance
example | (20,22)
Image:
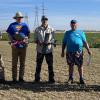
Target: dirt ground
(44,91)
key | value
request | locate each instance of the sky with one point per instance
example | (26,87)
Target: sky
(59,12)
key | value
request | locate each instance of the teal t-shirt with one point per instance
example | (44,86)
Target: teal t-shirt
(74,40)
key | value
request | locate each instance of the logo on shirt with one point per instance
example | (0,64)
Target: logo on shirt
(77,34)
(18,28)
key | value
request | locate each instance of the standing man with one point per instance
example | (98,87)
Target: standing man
(0,35)
(1,60)
(74,40)
(44,38)
(2,76)
(18,34)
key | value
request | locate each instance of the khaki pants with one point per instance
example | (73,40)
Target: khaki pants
(18,53)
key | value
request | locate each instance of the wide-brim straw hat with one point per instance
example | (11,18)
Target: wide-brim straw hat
(18,15)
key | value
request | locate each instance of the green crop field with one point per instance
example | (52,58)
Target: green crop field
(92,38)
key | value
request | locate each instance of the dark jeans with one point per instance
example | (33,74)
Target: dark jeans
(49,60)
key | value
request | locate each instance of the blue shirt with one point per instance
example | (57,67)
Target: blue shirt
(74,40)
(18,27)
(21,28)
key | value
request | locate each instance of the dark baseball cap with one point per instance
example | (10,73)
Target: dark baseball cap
(44,18)
(73,21)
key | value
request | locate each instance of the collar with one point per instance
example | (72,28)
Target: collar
(48,27)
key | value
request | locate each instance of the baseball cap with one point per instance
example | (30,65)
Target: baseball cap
(73,21)
(44,18)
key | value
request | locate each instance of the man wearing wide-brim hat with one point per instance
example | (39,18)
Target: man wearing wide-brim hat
(18,15)
(18,34)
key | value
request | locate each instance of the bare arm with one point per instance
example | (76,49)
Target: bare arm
(63,45)
(87,47)
(63,49)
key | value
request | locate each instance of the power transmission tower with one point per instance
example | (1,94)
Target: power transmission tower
(26,19)
(43,9)
(36,21)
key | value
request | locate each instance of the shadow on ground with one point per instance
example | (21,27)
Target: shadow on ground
(44,86)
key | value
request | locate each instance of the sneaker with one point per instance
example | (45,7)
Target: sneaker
(82,81)
(51,81)
(21,80)
(2,81)
(70,81)
(37,80)
(14,81)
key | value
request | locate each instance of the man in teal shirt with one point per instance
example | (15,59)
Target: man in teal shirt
(74,40)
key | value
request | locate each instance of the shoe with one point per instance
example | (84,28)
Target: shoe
(37,80)
(2,81)
(70,81)
(82,81)
(51,81)
(21,80)
(14,81)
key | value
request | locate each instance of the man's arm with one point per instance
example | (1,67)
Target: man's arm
(63,45)
(28,30)
(85,43)
(53,40)
(63,49)
(10,35)
(35,37)
(87,47)
(29,34)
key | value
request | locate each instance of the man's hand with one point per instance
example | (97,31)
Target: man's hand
(26,40)
(16,32)
(89,52)
(87,47)
(13,45)
(63,48)
(46,43)
(38,42)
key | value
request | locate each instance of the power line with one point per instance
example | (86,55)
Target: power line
(43,9)
(26,19)
(36,21)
